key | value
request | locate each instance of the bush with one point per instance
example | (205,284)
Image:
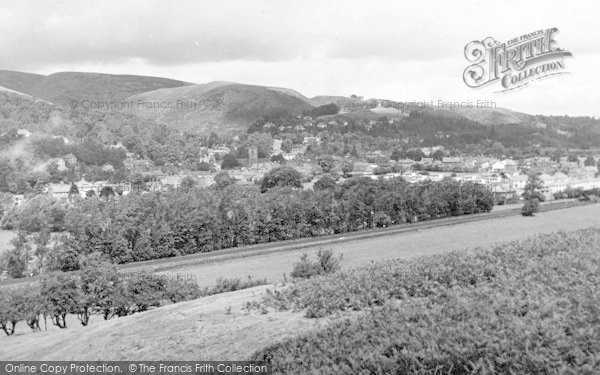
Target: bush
(229,285)
(382,220)
(324,264)
(182,290)
(530,207)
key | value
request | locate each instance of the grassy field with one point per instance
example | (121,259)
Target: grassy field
(220,327)
(406,245)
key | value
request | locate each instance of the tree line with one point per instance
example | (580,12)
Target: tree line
(96,288)
(155,225)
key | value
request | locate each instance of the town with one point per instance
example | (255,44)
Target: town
(506,178)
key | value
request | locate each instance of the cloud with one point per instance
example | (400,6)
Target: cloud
(172,33)
(401,50)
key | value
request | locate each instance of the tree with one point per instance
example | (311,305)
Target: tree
(9,311)
(107,192)
(223,179)
(438,155)
(90,193)
(41,240)
(326,163)
(381,219)
(213,140)
(99,285)
(589,161)
(280,177)
(347,168)
(16,259)
(556,155)
(532,195)
(229,162)
(188,183)
(572,158)
(415,154)
(278,159)
(324,183)
(74,190)
(287,144)
(533,188)
(62,296)
(530,207)
(145,290)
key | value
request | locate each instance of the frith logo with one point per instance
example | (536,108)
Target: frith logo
(514,63)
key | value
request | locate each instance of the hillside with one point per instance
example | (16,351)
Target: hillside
(38,103)
(219,326)
(495,116)
(218,106)
(61,88)
(200,328)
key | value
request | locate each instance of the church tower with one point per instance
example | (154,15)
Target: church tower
(252,155)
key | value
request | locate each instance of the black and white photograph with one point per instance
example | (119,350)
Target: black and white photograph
(299,187)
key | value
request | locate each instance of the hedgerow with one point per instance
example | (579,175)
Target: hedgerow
(524,307)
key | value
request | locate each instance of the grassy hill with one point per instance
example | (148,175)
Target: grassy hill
(60,88)
(212,328)
(38,103)
(218,106)
(533,302)
(495,116)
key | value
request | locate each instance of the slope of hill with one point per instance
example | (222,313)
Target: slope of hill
(19,81)
(495,116)
(36,102)
(200,328)
(346,104)
(217,106)
(60,88)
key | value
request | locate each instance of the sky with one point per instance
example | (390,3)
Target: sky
(397,50)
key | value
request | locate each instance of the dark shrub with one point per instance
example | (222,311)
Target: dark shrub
(324,264)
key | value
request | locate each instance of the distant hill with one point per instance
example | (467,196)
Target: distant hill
(61,88)
(217,106)
(39,103)
(495,116)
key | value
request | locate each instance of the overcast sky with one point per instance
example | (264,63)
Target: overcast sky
(399,50)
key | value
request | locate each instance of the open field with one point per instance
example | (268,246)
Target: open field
(272,266)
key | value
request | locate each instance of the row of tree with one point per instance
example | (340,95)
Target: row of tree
(165,224)
(96,289)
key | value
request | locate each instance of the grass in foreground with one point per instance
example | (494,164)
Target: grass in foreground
(524,307)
